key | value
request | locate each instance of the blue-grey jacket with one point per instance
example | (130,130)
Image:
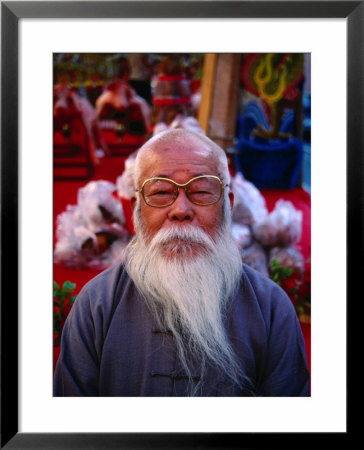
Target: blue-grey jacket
(112,346)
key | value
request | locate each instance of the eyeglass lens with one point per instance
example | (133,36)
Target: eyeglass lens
(201,191)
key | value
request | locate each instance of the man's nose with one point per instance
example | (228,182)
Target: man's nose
(181,210)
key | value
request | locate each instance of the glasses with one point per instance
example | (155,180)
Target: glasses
(203,190)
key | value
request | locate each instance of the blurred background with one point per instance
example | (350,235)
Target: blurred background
(257,107)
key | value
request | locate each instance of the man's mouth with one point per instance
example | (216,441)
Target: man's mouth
(182,248)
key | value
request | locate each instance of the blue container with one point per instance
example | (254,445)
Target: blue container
(306,167)
(270,164)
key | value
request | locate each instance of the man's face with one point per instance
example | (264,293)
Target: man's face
(180,162)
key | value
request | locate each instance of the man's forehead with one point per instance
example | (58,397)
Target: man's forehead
(186,149)
(178,169)
(196,161)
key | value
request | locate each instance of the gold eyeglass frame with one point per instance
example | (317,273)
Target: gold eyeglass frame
(185,187)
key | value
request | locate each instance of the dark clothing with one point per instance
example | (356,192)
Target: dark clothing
(112,346)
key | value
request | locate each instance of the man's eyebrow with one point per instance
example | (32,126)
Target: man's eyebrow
(161,175)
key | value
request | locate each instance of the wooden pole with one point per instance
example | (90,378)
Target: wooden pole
(220,97)
(207,89)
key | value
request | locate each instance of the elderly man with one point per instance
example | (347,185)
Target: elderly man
(182,316)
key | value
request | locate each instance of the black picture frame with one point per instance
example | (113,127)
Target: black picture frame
(11,12)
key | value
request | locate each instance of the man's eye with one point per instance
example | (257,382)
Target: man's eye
(161,193)
(200,193)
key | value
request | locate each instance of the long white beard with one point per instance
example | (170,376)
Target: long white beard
(188,291)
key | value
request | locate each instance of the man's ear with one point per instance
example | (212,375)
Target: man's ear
(133,200)
(231,198)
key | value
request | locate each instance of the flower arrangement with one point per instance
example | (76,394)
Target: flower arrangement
(296,284)
(62,304)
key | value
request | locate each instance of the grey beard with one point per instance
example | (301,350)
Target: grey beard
(188,292)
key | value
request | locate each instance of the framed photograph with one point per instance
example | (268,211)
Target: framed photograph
(31,32)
